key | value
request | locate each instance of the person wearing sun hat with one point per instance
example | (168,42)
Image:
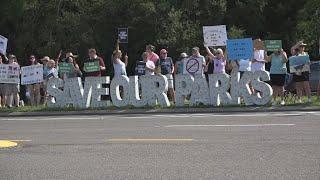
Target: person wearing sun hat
(301,79)
(166,65)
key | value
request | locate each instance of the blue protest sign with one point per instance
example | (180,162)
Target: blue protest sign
(240,49)
(299,64)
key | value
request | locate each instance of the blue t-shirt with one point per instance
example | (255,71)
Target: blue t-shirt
(277,65)
(179,67)
(166,65)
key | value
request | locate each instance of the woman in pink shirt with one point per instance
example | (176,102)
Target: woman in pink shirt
(152,56)
(218,60)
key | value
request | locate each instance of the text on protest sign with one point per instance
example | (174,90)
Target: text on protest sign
(9,73)
(123,35)
(193,65)
(299,64)
(3,45)
(92,66)
(65,68)
(140,68)
(240,49)
(273,45)
(215,35)
(31,74)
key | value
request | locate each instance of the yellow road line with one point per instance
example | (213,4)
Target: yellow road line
(7,144)
(148,140)
(19,140)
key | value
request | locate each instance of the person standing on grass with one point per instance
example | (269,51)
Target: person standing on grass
(178,67)
(301,80)
(76,72)
(278,71)
(119,66)
(218,60)
(150,67)
(166,65)
(34,89)
(2,88)
(93,57)
(12,90)
(152,56)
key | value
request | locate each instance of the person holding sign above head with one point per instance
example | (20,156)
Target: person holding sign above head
(166,67)
(33,89)
(259,56)
(119,66)
(301,79)
(150,67)
(94,65)
(278,71)
(152,56)
(12,90)
(218,60)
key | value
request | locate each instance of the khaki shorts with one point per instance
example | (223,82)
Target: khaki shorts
(12,89)
(170,80)
(2,89)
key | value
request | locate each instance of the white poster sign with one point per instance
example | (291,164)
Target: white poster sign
(3,45)
(193,65)
(9,73)
(215,35)
(32,74)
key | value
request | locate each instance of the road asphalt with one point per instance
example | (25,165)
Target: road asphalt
(259,145)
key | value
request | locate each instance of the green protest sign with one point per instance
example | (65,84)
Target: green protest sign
(65,68)
(92,66)
(273,45)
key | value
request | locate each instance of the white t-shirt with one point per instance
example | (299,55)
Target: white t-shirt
(244,65)
(119,68)
(150,64)
(258,66)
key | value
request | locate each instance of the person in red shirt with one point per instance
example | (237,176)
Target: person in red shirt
(92,58)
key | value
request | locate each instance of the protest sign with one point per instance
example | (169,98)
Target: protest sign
(32,74)
(65,68)
(123,35)
(3,45)
(299,64)
(92,66)
(273,45)
(193,65)
(240,49)
(140,68)
(215,35)
(9,73)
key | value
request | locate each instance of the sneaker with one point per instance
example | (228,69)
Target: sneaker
(282,103)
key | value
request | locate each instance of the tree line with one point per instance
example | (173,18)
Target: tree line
(44,27)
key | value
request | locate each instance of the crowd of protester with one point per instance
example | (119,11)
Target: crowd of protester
(214,62)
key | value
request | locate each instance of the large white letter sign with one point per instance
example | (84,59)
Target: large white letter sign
(53,86)
(95,84)
(138,99)
(240,88)
(200,91)
(219,86)
(183,85)
(158,86)
(120,98)
(264,94)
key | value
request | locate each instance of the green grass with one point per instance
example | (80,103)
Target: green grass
(290,101)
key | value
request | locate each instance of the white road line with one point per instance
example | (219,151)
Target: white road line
(49,119)
(227,125)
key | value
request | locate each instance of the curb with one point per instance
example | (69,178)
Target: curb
(163,111)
